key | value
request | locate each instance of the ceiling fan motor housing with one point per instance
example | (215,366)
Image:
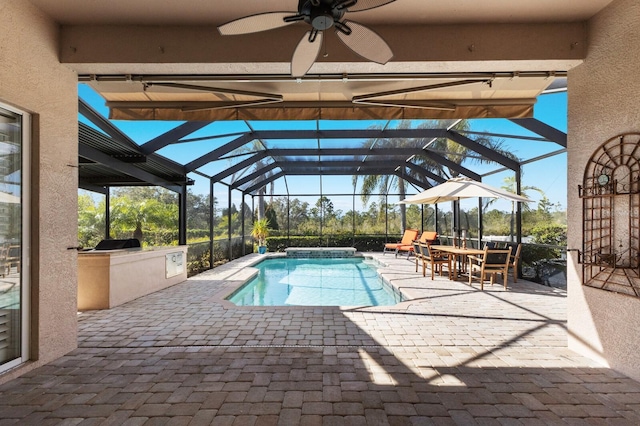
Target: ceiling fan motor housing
(320,14)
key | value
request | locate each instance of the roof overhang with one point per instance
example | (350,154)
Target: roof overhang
(427,96)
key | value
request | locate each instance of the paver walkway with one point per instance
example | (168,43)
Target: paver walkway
(452,355)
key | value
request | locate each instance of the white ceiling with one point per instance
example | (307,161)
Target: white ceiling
(215,12)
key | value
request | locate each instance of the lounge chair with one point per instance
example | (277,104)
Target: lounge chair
(491,262)
(427,237)
(407,239)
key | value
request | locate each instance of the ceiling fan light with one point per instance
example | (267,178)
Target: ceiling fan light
(322,21)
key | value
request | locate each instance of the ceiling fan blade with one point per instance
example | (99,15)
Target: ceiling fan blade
(368,4)
(305,54)
(366,43)
(255,23)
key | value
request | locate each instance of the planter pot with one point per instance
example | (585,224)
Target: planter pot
(262,249)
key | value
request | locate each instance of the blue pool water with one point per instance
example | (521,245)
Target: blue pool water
(315,282)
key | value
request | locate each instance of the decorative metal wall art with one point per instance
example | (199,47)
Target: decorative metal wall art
(610,195)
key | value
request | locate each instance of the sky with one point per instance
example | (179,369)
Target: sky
(549,175)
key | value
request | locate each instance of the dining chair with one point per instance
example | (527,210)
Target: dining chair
(417,253)
(13,258)
(514,259)
(436,260)
(491,262)
(490,244)
(4,254)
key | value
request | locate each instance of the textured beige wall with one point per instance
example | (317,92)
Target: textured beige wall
(31,78)
(603,102)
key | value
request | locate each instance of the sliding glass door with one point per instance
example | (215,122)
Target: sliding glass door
(14,139)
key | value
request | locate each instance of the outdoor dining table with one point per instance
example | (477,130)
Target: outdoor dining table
(460,253)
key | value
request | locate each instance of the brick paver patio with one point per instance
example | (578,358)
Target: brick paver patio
(451,355)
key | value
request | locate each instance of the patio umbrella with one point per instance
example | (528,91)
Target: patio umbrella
(458,188)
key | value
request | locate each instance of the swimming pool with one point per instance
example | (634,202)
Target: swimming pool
(316,282)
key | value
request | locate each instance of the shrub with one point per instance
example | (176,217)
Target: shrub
(361,243)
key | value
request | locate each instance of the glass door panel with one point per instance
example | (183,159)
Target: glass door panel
(11,192)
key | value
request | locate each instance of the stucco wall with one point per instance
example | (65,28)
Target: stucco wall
(32,79)
(603,102)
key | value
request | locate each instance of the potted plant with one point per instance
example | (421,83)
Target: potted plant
(260,232)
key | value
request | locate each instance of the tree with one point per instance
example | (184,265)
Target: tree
(509,184)
(256,146)
(447,148)
(323,208)
(142,215)
(91,221)
(197,210)
(270,215)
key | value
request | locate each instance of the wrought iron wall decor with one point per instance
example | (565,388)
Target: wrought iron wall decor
(610,195)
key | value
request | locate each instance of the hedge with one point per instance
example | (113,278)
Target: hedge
(361,243)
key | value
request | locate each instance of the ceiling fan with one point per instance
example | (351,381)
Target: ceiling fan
(321,15)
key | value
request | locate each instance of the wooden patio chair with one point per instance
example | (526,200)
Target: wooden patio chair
(436,260)
(515,259)
(12,258)
(427,237)
(417,254)
(491,262)
(4,254)
(409,236)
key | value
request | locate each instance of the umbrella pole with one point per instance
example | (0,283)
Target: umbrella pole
(456,223)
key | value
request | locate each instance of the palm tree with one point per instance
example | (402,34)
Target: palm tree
(253,148)
(509,184)
(443,146)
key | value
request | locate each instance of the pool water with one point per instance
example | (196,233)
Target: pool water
(315,282)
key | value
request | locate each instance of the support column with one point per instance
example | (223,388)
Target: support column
(253,215)
(518,206)
(212,216)
(242,223)
(107,214)
(353,220)
(435,219)
(386,218)
(229,228)
(480,226)
(182,216)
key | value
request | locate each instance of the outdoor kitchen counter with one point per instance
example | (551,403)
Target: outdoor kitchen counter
(108,278)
